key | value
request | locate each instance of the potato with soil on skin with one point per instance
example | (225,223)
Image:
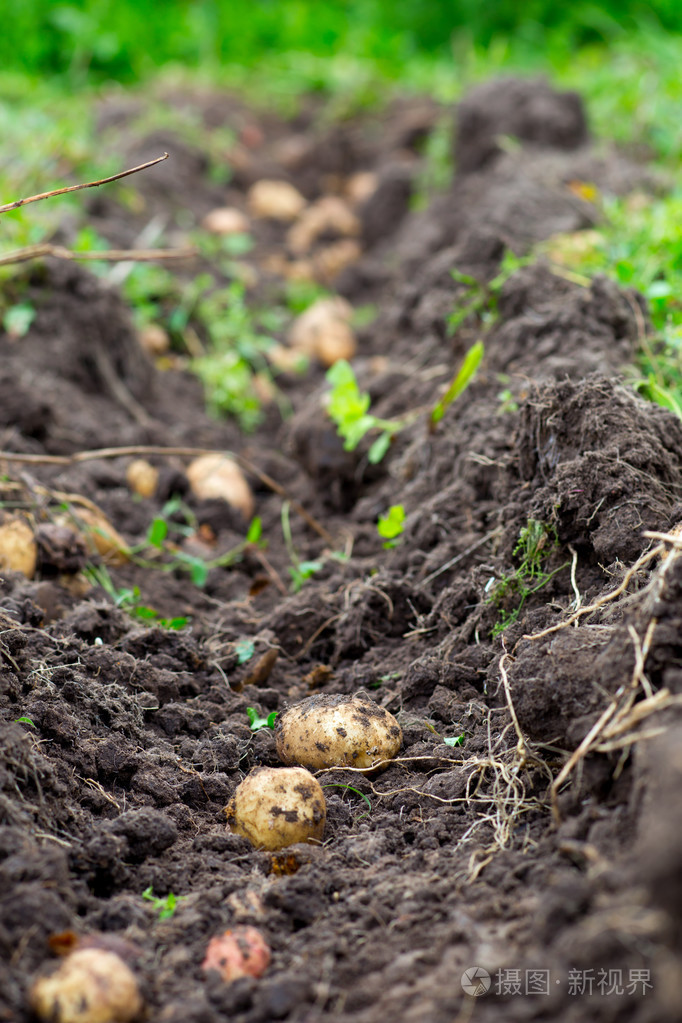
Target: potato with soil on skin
(337,731)
(242,952)
(91,986)
(217,476)
(278,806)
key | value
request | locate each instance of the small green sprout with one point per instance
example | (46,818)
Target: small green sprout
(459,383)
(536,543)
(165,907)
(348,406)
(391,525)
(256,723)
(24,721)
(455,740)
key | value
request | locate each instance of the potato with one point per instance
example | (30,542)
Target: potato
(154,339)
(142,478)
(217,476)
(278,806)
(323,331)
(242,952)
(328,215)
(337,731)
(275,200)
(226,220)
(98,532)
(18,546)
(91,986)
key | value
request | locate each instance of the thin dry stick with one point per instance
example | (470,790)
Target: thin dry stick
(76,188)
(180,452)
(106,255)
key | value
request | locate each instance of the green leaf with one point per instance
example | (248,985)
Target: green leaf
(255,530)
(157,533)
(245,649)
(25,721)
(460,382)
(147,613)
(455,740)
(18,319)
(391,524)
(257,723)
(379,448)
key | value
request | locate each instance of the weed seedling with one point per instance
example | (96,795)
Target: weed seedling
(256,724)
(460,382)
(300,571)
(455,740)
(245,650)
(348,406)
(24,721)
(536,543)
(480,299)
(165,907)
(390,526)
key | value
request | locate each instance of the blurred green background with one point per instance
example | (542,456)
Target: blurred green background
(126,39)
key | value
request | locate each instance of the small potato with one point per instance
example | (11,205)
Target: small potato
(154,339)
(278,806)
(142,478)
(18,546)
(337,731)
(323,331)
(226,220)
(91,986)
(216,476)
(98,532)
(242,952)
(275,200)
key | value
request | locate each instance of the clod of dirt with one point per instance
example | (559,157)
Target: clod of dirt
(60,549)
(604,465)
(526,109)
(387,203)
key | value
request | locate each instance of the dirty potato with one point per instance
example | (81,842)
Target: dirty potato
(337,731)
(278,806)
(91,986)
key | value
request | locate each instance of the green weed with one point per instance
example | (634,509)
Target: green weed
(459,383)
(390,526)
(165,906)
(537,542)
(348,407)
(257,723)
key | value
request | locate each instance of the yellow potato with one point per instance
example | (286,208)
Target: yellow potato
(217,476)
(275,200)
(18,547)
(226,220)
(337,731)
(278,806)
(99,534)
(323,331)
(91,986)
(154,339)
(142,478)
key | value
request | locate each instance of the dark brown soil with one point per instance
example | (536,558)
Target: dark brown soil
(137,735)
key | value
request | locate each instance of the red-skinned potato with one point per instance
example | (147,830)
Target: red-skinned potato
(337,731)
(278,806)
(242,952)
(92,985)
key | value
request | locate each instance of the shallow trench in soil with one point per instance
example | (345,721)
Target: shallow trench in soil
(544,851)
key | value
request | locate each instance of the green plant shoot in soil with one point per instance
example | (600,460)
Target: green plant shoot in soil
(390,525)
(537,542)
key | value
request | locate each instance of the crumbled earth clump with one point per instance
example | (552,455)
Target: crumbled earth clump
(520,857)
